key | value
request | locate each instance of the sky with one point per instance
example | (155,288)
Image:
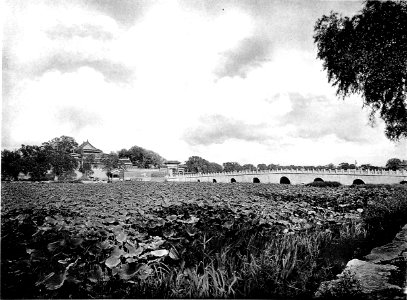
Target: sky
(223,80)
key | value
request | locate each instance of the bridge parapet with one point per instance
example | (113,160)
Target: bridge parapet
(300,171)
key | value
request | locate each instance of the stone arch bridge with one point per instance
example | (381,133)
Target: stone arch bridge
(296,176)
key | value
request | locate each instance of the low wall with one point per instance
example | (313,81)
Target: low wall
(135,174)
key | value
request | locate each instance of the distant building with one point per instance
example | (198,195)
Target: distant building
(126,168)
(174,167)
(125,161)
(86,149)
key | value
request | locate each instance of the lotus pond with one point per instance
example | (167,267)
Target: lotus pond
(187,240)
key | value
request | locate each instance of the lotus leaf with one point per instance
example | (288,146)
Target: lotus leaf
(128,270)
(144,271)
(159,253)
(121,237)
(55,280)
(112,262)
(117,251)
(172,217)
(96,274)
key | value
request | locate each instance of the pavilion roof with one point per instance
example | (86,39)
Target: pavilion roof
(172,162)
(86,146)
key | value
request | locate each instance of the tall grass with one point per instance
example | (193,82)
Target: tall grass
(289,265)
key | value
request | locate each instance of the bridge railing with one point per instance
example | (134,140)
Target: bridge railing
(290,171)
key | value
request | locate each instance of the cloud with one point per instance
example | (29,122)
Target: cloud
(217,129)
(250,53)
(315,117)
(64,31)
(124,11)
(112,71)
(77,118)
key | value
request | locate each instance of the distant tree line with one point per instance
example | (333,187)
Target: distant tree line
(196,164)
(54,159)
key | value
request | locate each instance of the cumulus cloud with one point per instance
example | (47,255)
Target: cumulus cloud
(111,71)
(250,53)
(124,11)
(64,31)
(314,117)
(217,129)
(77,118)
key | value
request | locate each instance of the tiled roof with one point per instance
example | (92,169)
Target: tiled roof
(172,162)
(88,146)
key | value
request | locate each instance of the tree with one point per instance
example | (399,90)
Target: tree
(367,55)
(110,162)
(35,161)
(64,144)
(273,167)
(11,164)
(196,164)
(214,168)
(60,150)
(344,166)
(249,167)
(394,164)
(262,167)
(141,157)
(330,166)
(86,166)
(231,167)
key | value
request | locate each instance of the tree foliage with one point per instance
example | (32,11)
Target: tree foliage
(346,166)
(394,164)
(261,167)
(249,167)
(87,164)
(367,55)
(35,161)
(141,157)
(273,167)
(231,166)
(60,158)
(110,162)
(11,164)
(214,168)
(197,164)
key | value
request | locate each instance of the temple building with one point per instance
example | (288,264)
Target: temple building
(126,170)
(174,167)
(87,149)
(126,162)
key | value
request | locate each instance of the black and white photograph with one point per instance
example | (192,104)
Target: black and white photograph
(204,149)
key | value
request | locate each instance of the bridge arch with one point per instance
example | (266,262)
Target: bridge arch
(318,179)
(403,182)
(214,180)
(232,180)
(285,180)
(256,180)
(199,180)
(358,181)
